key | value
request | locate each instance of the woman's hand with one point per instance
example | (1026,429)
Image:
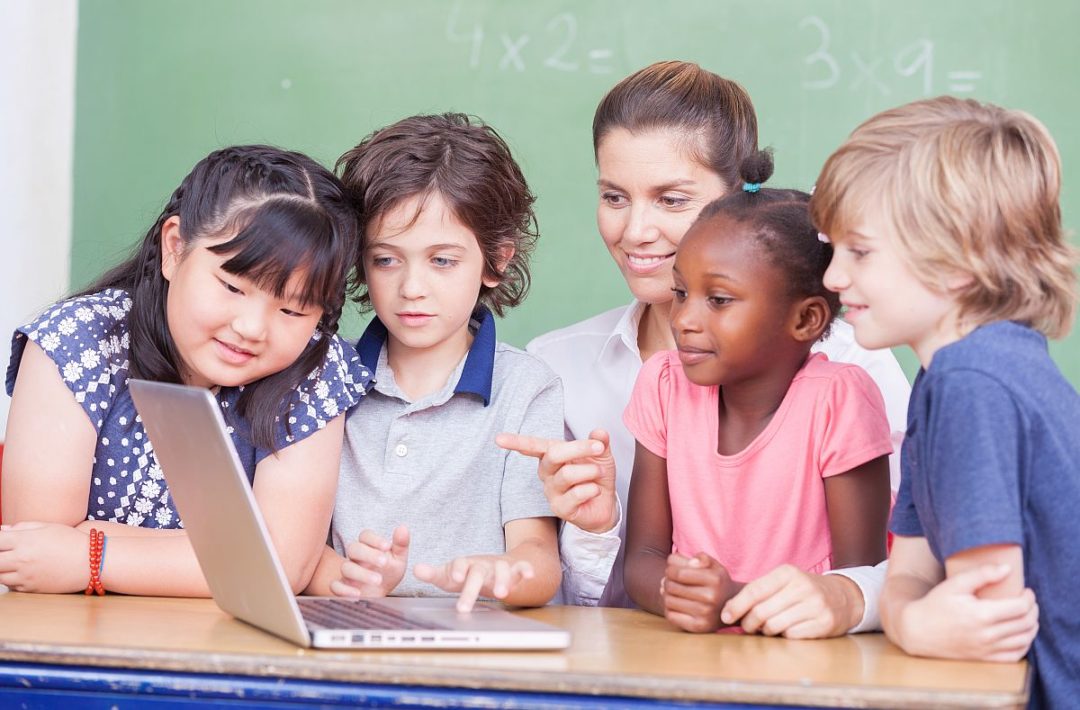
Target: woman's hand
(493,576)
(44,557)
(695,589)
(375,565)
(578,477)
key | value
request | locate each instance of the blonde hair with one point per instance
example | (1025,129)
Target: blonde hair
(971,190)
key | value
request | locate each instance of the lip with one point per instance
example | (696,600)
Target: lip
(233,354)
(852,311)
(414,319)
(645,264)
(692,356)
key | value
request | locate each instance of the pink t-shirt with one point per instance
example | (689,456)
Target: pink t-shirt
(765,505)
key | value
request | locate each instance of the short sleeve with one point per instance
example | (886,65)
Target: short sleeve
(522,494)
(333,388)
(856,428)
(905,519)
(646,414)
(970,464)
(87,339)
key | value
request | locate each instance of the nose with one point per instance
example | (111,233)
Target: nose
(249,322)
(684,317)
(836,278)
(640,224)
(412,284)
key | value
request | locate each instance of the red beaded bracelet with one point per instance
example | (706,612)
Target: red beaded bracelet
(97,557)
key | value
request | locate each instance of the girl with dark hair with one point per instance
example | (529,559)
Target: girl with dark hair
(238,287)
(741,410)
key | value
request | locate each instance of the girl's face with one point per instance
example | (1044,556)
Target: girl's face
(731,313)
(228,332)
(423,273)
(651,190)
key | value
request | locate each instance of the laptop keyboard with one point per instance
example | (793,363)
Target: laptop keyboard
(357,614)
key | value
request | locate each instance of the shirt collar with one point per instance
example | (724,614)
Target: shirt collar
(626,330)
(479,362)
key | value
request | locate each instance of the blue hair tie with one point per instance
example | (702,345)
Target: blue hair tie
(751,186)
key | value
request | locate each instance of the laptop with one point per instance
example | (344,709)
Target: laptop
(230,539)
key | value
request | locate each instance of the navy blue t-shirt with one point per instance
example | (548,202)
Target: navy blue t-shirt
(992,456)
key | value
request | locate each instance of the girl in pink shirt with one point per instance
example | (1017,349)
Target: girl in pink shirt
(751,452)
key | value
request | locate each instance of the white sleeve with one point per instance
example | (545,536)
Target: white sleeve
(870,581)
(587,559)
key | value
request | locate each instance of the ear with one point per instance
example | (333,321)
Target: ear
(809,318)
(956,281)
(506,253)
(172,247)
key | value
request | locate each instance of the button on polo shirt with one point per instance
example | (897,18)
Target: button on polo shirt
(432,464)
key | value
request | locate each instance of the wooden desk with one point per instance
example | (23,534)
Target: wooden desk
(618,656)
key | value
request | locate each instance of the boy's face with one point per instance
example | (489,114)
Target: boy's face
(884,301)
(424,278)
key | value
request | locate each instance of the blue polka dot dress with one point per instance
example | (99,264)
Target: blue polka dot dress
(88,339)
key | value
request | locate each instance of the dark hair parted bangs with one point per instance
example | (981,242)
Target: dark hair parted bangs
(470,166)
(283,237)
(289,215)
(779,221)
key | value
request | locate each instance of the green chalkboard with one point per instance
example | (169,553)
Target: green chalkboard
(161,83)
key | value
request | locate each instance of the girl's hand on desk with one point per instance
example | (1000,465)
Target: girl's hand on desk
(695,589)
(578,477)
(44,557)
(482,575)
(796,604)
(952,622)
(375,565)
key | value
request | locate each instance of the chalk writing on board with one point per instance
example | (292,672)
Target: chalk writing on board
(872,73)
(557,48)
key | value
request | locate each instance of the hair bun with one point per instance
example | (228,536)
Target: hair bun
(757,167)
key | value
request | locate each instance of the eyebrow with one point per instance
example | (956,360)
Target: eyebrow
(433,247)
(664,186)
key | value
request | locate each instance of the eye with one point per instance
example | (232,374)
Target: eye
(858,253)
(613,199)
(680,294)
(381,262)
(444,262)
(228,286)
(720,300)
(673,201)
(293,314)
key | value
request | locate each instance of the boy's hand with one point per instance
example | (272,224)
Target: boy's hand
(44,557)
(952,622)
(578,477)
(796,604)
(482,575)
(695,589)
(375,566)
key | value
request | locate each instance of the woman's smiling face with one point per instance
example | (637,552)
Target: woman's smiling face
(651,190)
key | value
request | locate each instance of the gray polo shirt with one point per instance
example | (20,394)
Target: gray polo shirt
(433,465)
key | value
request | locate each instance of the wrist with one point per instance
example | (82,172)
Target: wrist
(847,601)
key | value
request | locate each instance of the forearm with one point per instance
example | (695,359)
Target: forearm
(547,573)
(153,565)
(327,570)
(900,591)
(642,572)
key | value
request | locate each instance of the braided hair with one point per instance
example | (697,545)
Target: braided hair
(286,212)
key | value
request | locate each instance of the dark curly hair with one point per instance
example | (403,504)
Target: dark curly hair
(470,166)
(780,222)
